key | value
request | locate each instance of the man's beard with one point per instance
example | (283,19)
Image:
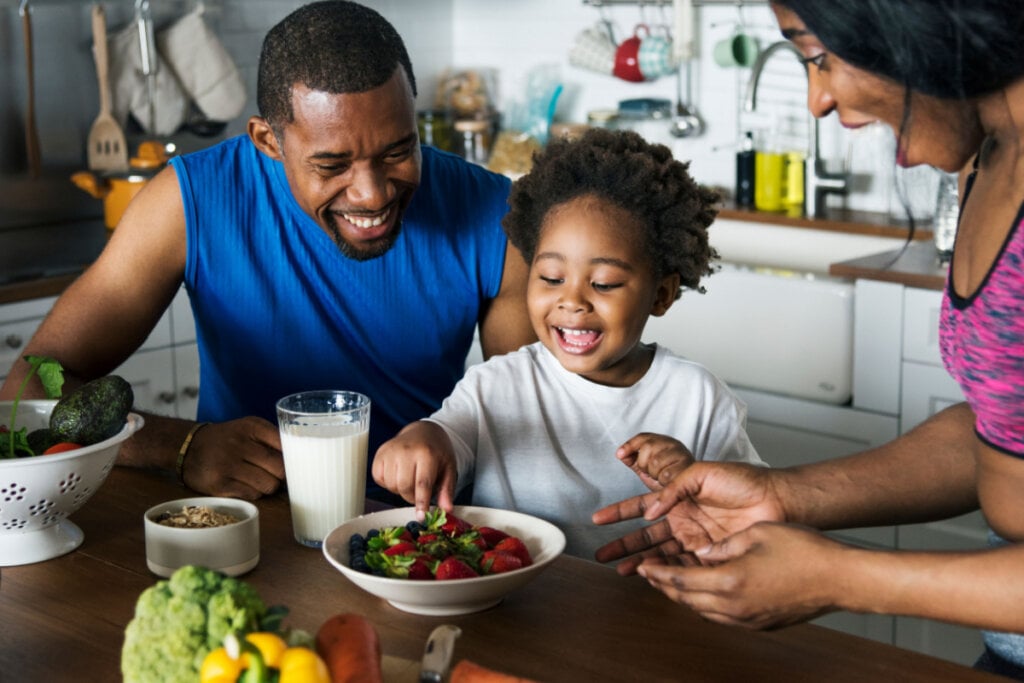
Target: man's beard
(373,250)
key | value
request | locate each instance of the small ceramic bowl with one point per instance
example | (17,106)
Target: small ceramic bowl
(232,549)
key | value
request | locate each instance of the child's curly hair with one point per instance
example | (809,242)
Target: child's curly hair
(622,168)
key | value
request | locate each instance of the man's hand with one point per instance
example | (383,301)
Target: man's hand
(417,464)
(705,503)
(768,576)
(239,459)
(655,458)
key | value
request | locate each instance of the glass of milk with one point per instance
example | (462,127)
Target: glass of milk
(324,440)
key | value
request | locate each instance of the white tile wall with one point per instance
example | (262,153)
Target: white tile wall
(511,37)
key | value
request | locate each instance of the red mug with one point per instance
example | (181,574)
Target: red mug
(627,61)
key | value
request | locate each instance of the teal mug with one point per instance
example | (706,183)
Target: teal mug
(655,56)
(738,49)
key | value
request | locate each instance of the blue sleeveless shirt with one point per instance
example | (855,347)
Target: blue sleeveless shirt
(279,309)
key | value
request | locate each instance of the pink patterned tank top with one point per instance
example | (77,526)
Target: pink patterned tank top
(981,338)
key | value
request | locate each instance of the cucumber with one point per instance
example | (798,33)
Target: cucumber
(95,411)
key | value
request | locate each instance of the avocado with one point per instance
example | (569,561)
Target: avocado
(93,412)
(40,439)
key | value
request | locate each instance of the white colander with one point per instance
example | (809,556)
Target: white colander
(37,494)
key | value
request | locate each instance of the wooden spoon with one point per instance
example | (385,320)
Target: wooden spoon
(106,148)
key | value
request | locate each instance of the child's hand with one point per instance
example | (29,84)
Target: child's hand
(655,458)
(416,464)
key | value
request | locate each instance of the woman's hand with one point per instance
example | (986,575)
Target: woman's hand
(768,576)
(704,503)
(417,464)
(655,458)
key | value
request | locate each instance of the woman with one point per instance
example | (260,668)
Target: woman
(948,77)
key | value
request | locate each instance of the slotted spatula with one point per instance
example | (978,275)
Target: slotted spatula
(107,149)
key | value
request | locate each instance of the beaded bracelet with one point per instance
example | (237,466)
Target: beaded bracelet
(179,466)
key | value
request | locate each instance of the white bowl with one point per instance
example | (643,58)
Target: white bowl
(37,494)
(232,549)
(544,540)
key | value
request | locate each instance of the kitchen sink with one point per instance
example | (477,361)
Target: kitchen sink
(782,331)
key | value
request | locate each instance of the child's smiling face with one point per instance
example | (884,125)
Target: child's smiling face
(592,289)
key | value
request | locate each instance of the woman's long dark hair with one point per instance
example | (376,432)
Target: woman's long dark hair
(950,49)
(943,48)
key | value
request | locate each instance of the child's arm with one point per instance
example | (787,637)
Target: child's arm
(417,463)
(655,458)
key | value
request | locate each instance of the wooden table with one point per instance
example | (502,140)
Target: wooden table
(64,619)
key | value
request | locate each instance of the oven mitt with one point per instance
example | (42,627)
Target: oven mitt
(202,65)
(128,86)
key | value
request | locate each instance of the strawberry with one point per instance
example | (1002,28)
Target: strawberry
(499,561)
(400,548)
(517,548)
(420,571)
(426,538)
(453,526)
(491,535)
(454,568)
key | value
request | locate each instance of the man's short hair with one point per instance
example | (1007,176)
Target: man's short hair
(333,46)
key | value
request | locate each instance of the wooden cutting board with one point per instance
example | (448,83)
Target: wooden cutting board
(400,670)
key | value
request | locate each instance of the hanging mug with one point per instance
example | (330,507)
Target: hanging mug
(739,49)
(656,56)
(593,50)
(627,63)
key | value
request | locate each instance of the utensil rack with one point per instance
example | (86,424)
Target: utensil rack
(668,3)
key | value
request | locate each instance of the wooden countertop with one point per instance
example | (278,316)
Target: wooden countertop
(86,238)
(916,266)
(835,220)
(64,618)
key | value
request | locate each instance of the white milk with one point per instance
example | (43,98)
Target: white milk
(326,474)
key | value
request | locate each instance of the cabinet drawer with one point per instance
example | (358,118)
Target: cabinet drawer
(18,322)
(921,308)
(927,389)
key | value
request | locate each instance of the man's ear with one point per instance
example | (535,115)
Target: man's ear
(262,135)
(665,295)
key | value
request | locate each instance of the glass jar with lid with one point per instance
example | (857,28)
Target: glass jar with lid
(473,138)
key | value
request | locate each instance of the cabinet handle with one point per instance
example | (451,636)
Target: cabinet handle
(14,341)
(190,392)
(165,397)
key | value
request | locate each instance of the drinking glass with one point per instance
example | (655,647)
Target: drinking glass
(324,438)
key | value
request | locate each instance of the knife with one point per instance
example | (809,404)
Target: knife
(437,655)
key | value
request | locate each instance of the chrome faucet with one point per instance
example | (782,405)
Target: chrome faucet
(817,181)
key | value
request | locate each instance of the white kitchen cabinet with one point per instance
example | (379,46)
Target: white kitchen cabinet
(18,322)
(151,374)
(164,372)
(186,380)
(899,371)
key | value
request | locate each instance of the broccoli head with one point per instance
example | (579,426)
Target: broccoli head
(178,621)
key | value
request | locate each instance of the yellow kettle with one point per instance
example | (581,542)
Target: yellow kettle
(117,189)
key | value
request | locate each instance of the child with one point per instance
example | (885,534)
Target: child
(611,227)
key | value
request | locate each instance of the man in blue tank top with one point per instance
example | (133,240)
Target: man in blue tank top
(325,250)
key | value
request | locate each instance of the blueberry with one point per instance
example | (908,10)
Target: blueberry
(357,542)
(415,527)
(373,533)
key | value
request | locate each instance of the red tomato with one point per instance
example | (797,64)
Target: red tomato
(61,447)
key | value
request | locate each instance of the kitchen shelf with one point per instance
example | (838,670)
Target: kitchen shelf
(838,220)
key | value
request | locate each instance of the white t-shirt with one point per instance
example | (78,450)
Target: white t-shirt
(534,437)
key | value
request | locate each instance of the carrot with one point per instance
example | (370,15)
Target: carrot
(471,672)
(349,645)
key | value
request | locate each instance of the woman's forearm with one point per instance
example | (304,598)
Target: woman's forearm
(926,474)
